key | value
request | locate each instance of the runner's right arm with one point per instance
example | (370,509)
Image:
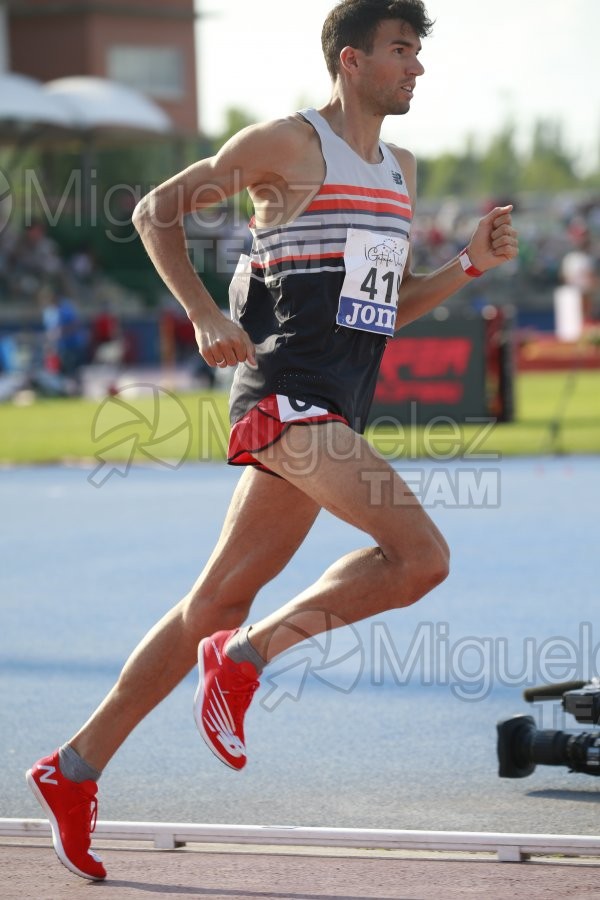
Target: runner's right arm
(250,159)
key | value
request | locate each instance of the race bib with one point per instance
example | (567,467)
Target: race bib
(374,267)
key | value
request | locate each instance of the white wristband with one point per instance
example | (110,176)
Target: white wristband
(467,265)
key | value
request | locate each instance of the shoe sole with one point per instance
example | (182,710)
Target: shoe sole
(56,841)
(198,696)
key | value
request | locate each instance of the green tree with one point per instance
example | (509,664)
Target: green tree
(500,166)
(446,174)
(235,120)
(549,167)
(450,173)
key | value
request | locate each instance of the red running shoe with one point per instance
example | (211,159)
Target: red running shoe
(224,692)
(71,808)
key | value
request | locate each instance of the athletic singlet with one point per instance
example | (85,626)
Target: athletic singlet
(318,295)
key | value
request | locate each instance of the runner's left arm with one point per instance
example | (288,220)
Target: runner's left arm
(493,243)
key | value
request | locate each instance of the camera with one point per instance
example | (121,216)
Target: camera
(522,746)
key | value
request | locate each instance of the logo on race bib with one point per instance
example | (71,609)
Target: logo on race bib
(374,267)
(387,252)
(366,316)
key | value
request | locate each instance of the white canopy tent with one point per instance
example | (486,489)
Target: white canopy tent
(25,106)
(80,112)
(80,105)
(72,117)
(97,103)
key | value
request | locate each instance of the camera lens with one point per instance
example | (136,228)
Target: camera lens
(521,747)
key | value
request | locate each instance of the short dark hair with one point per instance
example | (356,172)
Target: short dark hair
(353,23)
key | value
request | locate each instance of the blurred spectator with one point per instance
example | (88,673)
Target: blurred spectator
(578,269)
(33,259)
(82,266)
(178,342)
(107,341)
(65,338)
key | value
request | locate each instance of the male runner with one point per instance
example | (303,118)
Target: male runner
(313,306)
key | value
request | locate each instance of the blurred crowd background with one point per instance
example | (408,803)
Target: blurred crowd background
(77,292)
(82,295)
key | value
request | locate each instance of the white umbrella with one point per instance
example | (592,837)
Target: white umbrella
(25,104)
(99,104)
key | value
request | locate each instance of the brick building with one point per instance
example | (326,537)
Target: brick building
(145,44)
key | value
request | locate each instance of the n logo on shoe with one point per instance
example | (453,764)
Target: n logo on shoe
(48,771)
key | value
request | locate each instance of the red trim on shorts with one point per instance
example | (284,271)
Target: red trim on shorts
(261,427)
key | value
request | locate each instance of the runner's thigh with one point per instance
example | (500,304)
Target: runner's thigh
(341,472)
(267,520)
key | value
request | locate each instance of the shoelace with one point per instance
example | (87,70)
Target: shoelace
(241,696)
(88,806)
(93,815)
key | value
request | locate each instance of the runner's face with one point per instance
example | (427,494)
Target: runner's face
(391,70)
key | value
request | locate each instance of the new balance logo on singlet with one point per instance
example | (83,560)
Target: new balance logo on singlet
(397,178)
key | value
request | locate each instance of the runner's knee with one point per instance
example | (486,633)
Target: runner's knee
(431,565)
(228,598)
(421,569)
(438,563)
